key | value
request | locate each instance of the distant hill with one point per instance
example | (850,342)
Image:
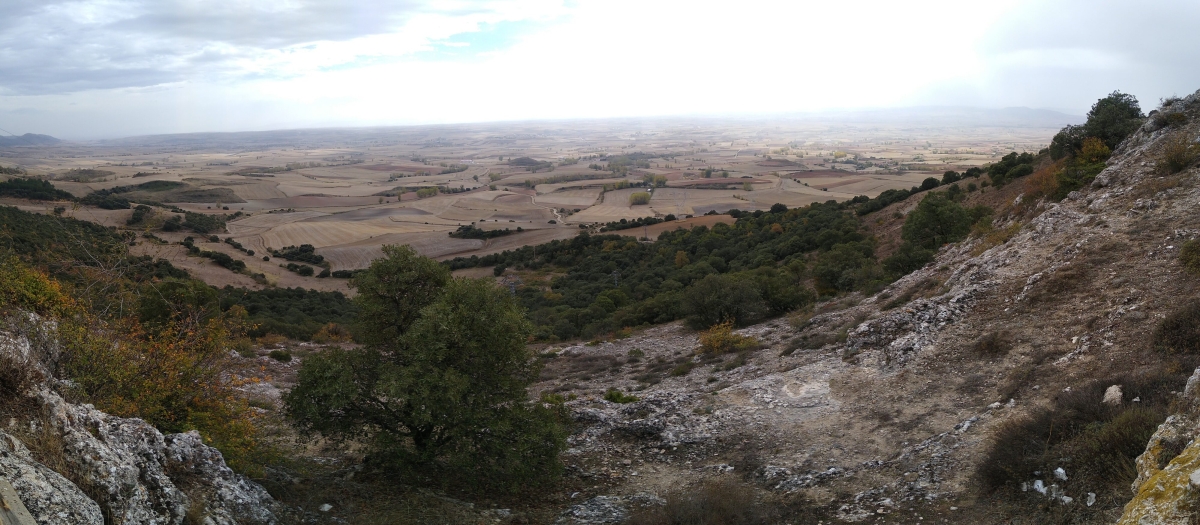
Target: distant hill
(28,139)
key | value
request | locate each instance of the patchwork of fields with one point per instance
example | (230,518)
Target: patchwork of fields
(348,194)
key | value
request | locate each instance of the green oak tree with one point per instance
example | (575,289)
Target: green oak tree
(438,391)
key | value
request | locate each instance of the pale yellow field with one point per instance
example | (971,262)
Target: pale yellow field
(361,194)
(570,198)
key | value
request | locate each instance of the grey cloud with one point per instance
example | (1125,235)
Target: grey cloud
(53,46)
(1066,54)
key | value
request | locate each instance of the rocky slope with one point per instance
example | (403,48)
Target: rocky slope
(889,418)
(72,464)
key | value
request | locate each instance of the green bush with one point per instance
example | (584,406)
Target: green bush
(140,212)
(283,356)
(938,221)
(616,396)
(846,267)
(717,298)
(907,259)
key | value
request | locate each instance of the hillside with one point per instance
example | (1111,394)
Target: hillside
(897,416)
(1015,375)
(28,139)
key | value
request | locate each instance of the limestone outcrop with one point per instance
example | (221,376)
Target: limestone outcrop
(96,468)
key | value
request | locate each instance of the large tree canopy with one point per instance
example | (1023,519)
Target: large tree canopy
(439,388)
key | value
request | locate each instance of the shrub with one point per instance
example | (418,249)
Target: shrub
(1179,153)
(1044,182)
(174,375)
(1189,256)
(992,344)
(846,267)
(1096,443)
(1179,332)
(1163,119)
(720,339)
(332,333)
(718,298)
(283,356)
(616,396)
(683,369)
(938,221)
(1064,280)
(907,259)
(31,290)
(639,198)
(140,212)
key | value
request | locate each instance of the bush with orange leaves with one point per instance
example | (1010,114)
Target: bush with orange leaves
(1044,182)
(1069,174)
(173,374)
(332,333)
(720,339)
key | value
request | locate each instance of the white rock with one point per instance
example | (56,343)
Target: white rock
(1039,486)
(1091,499)
(1194,478)
(325,507)
(1112,396)
(1060,473)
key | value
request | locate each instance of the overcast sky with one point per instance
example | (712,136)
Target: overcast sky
(107,68)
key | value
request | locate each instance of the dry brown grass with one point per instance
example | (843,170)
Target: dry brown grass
(991,236)
(726,502)
(1178,154)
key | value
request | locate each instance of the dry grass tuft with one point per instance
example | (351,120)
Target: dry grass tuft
(1094,442)
(1179,333)
(993,344)
(1178,154)
(725,502)
(1064,281)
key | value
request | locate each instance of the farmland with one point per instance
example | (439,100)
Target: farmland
(348,192)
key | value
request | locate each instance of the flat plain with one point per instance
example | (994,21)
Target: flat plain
(348,192)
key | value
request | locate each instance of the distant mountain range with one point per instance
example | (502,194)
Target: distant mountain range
(28,139)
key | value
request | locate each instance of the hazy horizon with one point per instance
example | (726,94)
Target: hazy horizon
(86,69)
